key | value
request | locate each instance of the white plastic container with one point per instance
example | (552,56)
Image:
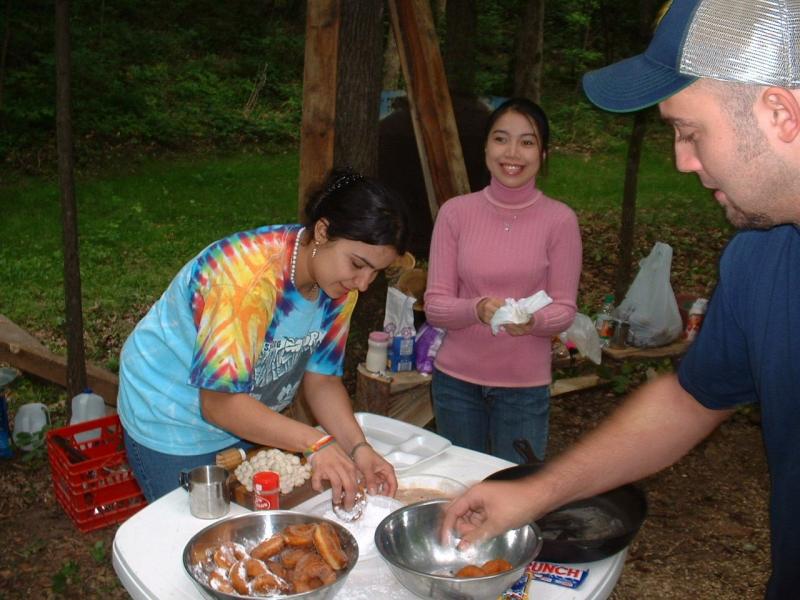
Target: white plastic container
(377,353)
(87,406)
(30,418)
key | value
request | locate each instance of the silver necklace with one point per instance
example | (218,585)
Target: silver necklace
(293,268)
(507,225)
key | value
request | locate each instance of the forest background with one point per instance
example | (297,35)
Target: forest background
(186,117)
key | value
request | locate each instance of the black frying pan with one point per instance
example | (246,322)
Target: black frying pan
(584,530)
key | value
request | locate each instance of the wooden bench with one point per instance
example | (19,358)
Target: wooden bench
(20,349)
(673,351)
(407,395)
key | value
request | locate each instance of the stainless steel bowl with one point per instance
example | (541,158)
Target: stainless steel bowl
(408,540)
(249,530)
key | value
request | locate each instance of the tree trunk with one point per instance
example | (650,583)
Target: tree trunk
(635,143)
(530,52)
(76,360)
(391,64)
(317,128)
(459,50)
(628,218)
(4,50)
(358,92)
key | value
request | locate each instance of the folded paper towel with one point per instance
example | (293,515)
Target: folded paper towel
(519,311)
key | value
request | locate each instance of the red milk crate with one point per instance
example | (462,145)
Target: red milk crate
(91,478)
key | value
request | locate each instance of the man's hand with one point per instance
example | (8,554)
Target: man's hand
(485,511)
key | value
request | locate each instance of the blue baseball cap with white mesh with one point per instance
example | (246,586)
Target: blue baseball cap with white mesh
(747,41)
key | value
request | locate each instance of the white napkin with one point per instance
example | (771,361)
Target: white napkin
(519,311)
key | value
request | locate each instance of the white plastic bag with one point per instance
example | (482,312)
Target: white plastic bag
(583,334)
(519,311)
(650,306)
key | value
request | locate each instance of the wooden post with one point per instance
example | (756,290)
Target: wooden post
(319,95)
(429,99)
(319,118)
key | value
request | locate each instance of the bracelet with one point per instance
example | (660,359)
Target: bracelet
(325,440)
(352,454)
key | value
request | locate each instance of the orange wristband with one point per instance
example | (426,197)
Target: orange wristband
(325,440)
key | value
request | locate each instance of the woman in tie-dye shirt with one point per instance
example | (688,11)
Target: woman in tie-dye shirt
(226,347)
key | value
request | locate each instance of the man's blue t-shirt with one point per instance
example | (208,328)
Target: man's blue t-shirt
(748,351)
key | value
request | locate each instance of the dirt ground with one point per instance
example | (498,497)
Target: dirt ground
(706,535)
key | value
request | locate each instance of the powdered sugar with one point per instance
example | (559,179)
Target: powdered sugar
(363,530)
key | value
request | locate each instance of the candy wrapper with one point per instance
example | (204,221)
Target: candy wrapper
(398,322)
(519,589)
(519,311)
(429,339)
(563,575)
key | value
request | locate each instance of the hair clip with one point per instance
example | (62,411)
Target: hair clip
(344,181)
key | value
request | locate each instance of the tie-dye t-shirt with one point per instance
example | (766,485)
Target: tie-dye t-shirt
(230,321)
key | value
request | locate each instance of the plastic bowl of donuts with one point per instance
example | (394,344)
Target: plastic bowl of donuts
(410,544)
(277,553)
(423,487)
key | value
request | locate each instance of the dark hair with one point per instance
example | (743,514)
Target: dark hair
(361,209)
(526,108)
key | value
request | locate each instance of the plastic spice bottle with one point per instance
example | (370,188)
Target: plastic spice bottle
(377,354)
(695,319)
(605,320)
(266,490)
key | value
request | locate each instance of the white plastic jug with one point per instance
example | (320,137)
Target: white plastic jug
(87,406)
(30,418)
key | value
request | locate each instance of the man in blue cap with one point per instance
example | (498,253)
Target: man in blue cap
(725,74)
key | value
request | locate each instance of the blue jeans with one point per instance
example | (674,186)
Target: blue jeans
(158,473)
(489,419)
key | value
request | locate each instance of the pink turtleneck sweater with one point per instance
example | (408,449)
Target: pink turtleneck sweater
(473,256)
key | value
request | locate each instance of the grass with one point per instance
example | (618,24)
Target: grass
(594,184)
(136,230)
(140,223)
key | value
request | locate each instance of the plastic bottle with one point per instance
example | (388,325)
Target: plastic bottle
(604,323)
(266,490)
(5,440)
(377,354)
(695,319)
(7,375)
(30,418)
(87,406)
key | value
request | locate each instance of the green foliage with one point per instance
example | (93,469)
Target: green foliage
(67,575)
(37,453)
(173,75)
(98,552)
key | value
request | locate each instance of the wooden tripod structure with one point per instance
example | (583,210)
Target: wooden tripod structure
(429,98)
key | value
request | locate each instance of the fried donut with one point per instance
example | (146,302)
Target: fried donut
(277,568)
(471,571)
(498,565)
(228,554)
(291,556)
(245,571)
(268,548)
(307,585)
(219,582)
(268,582)
(326,541)
(312,572)
(300,535)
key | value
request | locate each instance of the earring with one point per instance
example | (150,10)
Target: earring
(314,249)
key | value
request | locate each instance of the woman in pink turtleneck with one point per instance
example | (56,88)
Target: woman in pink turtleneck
(508,240)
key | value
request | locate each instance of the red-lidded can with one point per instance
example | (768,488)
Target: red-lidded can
(266,490)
